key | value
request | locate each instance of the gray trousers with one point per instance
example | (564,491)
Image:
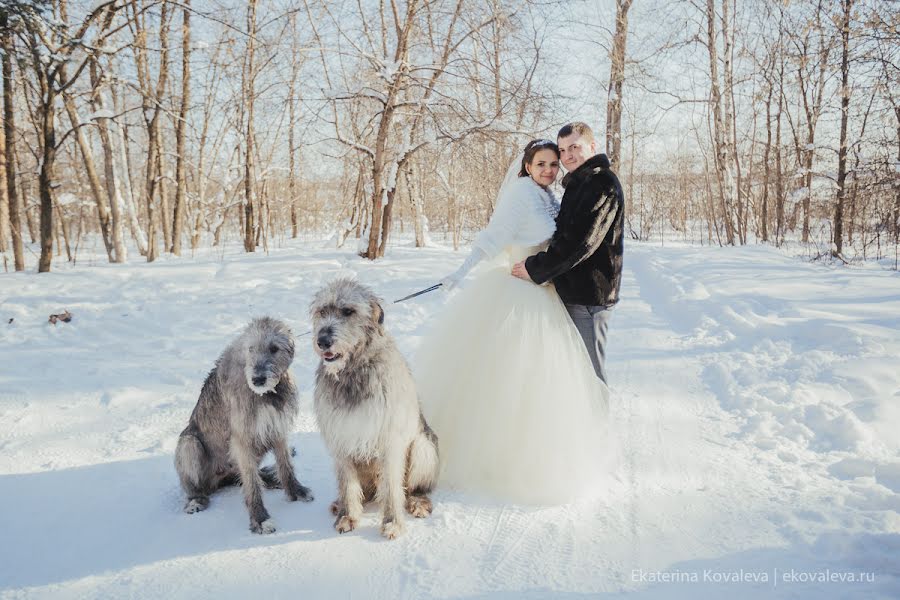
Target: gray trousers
(592,323)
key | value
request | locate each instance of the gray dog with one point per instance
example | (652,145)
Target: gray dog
(368,411)
(246,408)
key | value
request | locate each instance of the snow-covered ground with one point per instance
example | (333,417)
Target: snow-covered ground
(756,397)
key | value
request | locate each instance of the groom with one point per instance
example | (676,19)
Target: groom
(584,258)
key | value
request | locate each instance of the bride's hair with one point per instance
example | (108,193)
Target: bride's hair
(532,148)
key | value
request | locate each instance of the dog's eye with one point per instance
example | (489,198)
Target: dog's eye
(273,349)
(347,312)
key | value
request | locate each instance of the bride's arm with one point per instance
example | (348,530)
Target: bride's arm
(451,281)
(499,233)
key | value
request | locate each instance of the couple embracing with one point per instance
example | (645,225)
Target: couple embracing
(512,375)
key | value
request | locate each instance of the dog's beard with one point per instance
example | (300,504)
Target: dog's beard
(332,362)
(263,389)
(336,365)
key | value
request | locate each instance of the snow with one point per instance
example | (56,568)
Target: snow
(756,399)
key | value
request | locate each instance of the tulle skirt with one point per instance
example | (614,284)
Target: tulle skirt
(507,384)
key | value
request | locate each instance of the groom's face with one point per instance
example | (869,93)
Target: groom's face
(574,150)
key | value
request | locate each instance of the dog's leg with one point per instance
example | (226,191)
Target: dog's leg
(368,496)
(292,488)
(248,466)
(270,478)
(390,491)
(192,466)
(421,472)
(349,502)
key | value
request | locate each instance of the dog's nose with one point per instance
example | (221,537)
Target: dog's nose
(259,381)
(324,341)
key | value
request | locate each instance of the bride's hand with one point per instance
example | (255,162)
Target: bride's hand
(449,282)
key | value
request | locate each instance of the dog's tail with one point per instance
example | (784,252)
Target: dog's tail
(424,461)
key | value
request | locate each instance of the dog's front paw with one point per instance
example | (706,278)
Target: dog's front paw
(299,492)
(344,523)
(392,529)
(267,526)
(195,505)
(419,506)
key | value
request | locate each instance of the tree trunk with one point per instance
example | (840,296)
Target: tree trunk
(165,213)
(384,169)
(90,168)
(4,201)
(248,93)
(779,179)
(616,79)
(724,163)
(9,137)
(387,221)
(417,199)
(119,147)
(150,181)
(63,228)
(45,178)
(296,62)
(733,166)
(838,243)
(180,179)
(113,183)
(764,209)
(152,96)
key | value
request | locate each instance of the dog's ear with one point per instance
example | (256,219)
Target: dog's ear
(377,312)
(291,343)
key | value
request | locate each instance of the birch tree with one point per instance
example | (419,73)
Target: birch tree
(721,117)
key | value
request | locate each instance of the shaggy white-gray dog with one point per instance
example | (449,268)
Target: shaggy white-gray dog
(247,407)
(368,411)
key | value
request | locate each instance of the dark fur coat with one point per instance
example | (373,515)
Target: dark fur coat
(584,258)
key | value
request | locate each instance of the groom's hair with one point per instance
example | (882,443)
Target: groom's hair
(577,127)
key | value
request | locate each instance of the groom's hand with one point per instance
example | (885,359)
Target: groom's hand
(520,271)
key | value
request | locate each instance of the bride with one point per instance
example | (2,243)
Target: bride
(504,376)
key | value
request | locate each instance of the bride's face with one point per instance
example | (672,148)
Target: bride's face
(544,167)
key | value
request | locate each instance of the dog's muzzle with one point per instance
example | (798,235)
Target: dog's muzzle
(324,341)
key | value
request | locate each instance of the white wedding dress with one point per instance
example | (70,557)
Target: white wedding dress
(504,377)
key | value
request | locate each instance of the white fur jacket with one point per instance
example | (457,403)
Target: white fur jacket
(525,215)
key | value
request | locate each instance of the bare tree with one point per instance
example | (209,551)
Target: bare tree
(111,170)
(52,45)
(847,6)
(7,156)
(249,97)
(616,81)
(398,99)
(90,169)
(152,106)
(180,127)
(812,47)
(721,115)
